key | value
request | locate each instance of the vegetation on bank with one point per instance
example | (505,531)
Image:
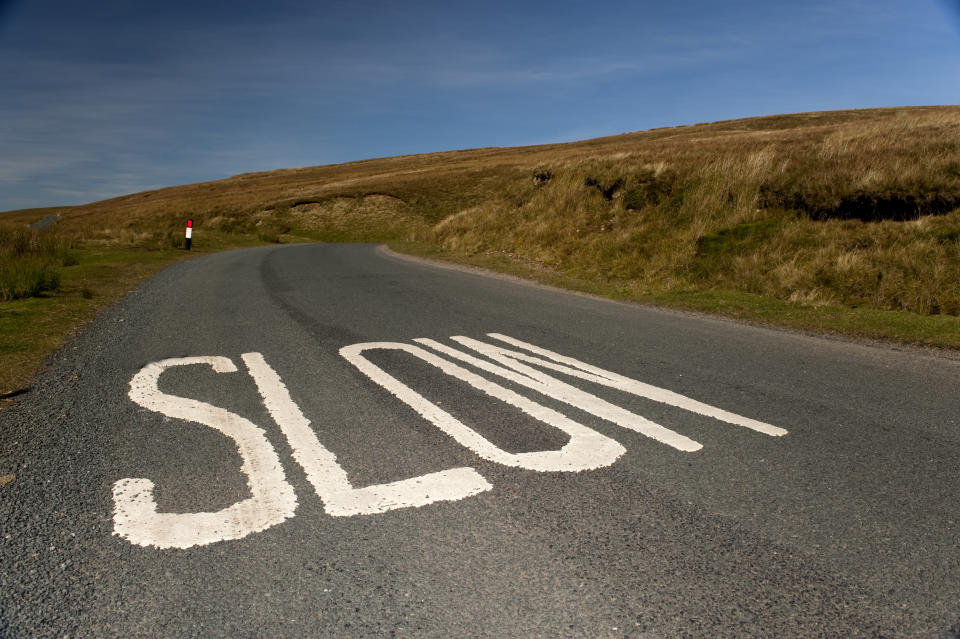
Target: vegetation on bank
(30,261)
(88,278)
(858,214)
(845,222)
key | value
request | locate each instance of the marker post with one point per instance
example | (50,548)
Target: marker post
(189,234)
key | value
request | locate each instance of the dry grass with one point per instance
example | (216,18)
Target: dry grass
(817,210)
(775,211)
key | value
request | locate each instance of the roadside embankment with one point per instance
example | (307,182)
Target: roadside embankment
(842,222)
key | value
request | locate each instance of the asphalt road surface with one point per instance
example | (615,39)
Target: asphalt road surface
(328,440)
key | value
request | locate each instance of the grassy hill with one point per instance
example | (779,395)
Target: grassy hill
(844,221)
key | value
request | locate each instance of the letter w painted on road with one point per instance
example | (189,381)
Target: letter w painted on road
(531,378)
(273,500)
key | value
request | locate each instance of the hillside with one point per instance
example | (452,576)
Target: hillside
(818,220)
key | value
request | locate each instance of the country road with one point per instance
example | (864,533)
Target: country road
(329,440)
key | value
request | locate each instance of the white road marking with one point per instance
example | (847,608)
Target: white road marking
(576,368)
(586,450)
(272,499)
(563,392)
(330,481)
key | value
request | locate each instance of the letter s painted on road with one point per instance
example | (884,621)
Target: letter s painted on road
(272,499)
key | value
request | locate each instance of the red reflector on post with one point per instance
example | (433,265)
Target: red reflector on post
(189,223)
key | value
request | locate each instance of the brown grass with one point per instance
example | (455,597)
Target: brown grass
(856,209)
(754,208)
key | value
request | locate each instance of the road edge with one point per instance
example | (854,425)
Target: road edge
(889,345)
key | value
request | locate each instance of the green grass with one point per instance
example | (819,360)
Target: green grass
(28,277)
(30,261)
(743,237)
(941,331)
(865,323)
(32,328)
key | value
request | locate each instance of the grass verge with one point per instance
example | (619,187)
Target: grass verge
(34,327)
(862,323)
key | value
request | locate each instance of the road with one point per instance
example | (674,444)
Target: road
(330,440)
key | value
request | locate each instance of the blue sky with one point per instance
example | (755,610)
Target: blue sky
(109,97)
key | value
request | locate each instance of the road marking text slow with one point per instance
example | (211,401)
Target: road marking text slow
(273,499)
